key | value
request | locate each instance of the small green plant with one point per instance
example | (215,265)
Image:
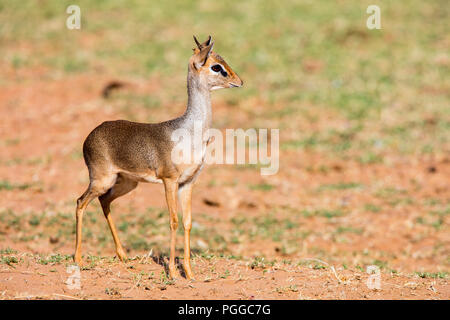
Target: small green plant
(112,292)
(164,280)
(258,263)
(9,260)
(381,264)
(341,229)
(8,251)
(291,288)
(262,187)
(433,275)
(226,274)
(330,213)
(327,213)
(370,158)
(54,259)
(6,185)
(340,186)
(34,220)
(372,208)
(441,213)
(360,268)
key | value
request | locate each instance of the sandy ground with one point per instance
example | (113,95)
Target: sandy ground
(42,127)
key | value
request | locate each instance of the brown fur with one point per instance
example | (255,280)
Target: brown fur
(120,154)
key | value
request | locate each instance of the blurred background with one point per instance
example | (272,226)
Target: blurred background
(295,57)
(364,119)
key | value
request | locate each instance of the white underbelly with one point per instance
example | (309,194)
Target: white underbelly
(187,173)
(142,177)
(152,179)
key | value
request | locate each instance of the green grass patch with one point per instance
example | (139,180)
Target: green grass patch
(261,187)
(326,213)
(372,208)
(54,259)
(8,251)
(432,275)
(9,260)
(340,186)
(7,185)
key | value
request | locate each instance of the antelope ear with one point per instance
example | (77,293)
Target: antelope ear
(202,55)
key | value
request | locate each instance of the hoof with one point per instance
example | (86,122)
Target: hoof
(78,260)
(189,275)
(173,274)
(122,256)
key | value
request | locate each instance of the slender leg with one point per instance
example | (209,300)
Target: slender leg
(171,187)
(82,203)
(122,187)
(96,188)
(185,195)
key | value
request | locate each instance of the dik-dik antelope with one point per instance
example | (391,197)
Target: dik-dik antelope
(120,154)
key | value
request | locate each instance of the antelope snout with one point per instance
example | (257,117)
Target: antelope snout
(238,84)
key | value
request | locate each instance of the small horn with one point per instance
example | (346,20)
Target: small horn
(196,41)
(208,41)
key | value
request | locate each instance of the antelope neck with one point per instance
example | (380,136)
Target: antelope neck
(199,103)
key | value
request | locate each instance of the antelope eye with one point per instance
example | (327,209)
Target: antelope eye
(216,68)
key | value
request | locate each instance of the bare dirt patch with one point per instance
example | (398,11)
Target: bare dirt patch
(254,237)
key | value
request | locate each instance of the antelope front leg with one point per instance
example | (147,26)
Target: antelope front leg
(185,200)
(171,187)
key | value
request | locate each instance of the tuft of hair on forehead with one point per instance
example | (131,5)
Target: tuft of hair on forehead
(217,56)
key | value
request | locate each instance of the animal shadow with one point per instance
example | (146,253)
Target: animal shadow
(162,260)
